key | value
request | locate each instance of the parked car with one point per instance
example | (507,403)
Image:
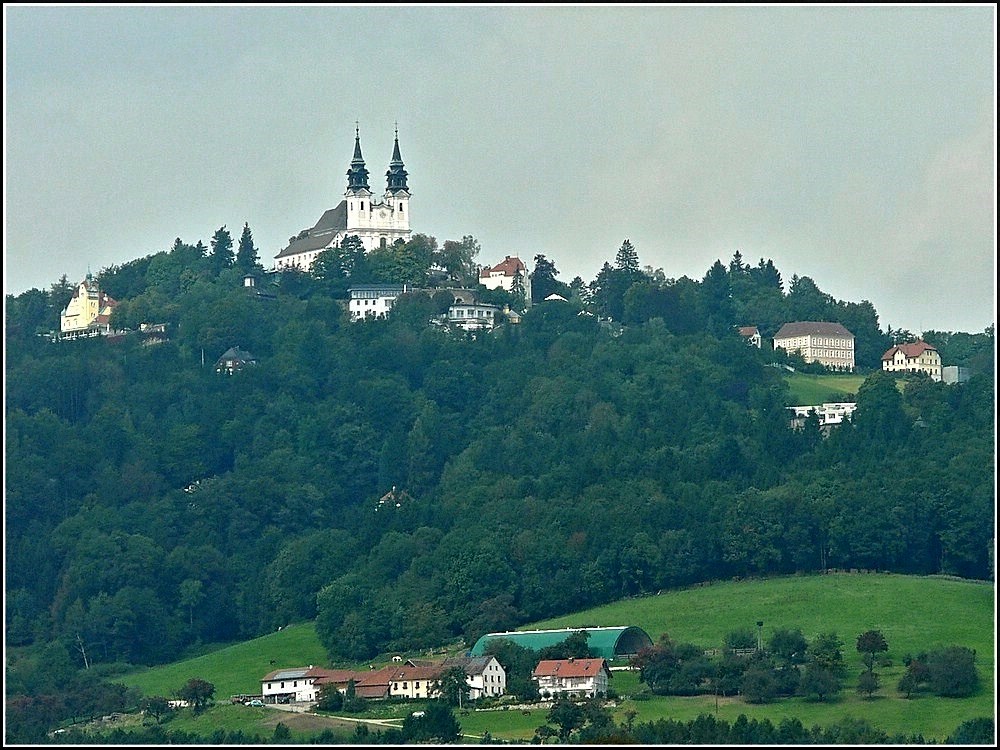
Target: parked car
(256,703)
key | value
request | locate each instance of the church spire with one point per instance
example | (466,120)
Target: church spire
(396,176)
(357,175)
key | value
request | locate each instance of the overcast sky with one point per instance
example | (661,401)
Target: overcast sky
(853,145)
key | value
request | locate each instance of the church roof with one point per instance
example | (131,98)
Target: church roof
(332,221)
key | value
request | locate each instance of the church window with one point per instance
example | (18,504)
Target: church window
(382,243)
(362,205)
(401,208)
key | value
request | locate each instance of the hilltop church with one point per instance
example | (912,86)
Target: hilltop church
(378,222)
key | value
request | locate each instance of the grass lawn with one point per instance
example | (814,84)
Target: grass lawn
(807,390)
(238,668)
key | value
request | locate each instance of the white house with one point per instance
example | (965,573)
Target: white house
(829,344)
(752,335)
(473,316)
(483,674)
(829,413)
(506,274)
(290,685)
(369,301)
(918,356)
(376,221)
(572,677)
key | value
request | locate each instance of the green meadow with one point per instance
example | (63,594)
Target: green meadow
(807,390)
(235,669)
(914,613)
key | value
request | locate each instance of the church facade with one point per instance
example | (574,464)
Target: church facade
(377,220)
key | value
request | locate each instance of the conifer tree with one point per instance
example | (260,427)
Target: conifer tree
(246,254)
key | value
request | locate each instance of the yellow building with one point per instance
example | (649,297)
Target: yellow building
(89,311)
(917,356)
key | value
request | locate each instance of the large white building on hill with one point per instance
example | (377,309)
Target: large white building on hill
(377,220)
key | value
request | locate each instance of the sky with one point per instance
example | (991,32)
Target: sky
(855,145)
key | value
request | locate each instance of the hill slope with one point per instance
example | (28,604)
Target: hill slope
(908,609)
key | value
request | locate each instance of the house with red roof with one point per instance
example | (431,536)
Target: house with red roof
(505,274)
(572,677)
(88,313)
(917,356)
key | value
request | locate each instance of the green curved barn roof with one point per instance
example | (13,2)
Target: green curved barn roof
(609,643)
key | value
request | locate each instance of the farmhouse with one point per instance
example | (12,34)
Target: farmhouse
(918,356)
(483,674)
(572,677)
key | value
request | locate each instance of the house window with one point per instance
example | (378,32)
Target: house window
(282,684)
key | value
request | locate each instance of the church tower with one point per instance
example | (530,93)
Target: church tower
(397,193)
(358,195)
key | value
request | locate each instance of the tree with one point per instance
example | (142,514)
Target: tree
(330,698)
(222,249)
(451,686)
(627,259)
(978,731)
(543,280)
(870,643)
(191,595)
(868,683)
(566,715)
(436,723)
(819,682)
(952,672)
(916,676)
(282,734)
(199,693)
(246,253)
(826,652)
(156,706)
(790,646)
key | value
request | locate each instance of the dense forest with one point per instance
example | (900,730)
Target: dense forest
(621,442)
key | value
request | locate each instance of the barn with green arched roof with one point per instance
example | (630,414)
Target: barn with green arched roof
(606,642)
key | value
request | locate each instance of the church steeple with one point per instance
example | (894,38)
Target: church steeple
(396,176)
(357,175)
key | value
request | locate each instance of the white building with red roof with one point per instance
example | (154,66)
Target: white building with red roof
(505,274)
(917,356)
(572,677)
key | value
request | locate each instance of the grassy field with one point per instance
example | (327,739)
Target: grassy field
(914,614)
(238,668)
(807,390)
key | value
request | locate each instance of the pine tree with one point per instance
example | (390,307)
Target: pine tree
(222,249)
(627,259)
(246,254)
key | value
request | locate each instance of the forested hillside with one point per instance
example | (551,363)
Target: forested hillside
(152,504)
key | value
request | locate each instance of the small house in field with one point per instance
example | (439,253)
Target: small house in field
(572,678)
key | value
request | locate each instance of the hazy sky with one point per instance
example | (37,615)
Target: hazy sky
(853,145)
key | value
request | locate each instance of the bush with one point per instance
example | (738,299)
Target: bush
(952,672)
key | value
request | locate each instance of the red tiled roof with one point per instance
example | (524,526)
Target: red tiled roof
(748,330)
(911,350)
(569,667)
(508,266)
